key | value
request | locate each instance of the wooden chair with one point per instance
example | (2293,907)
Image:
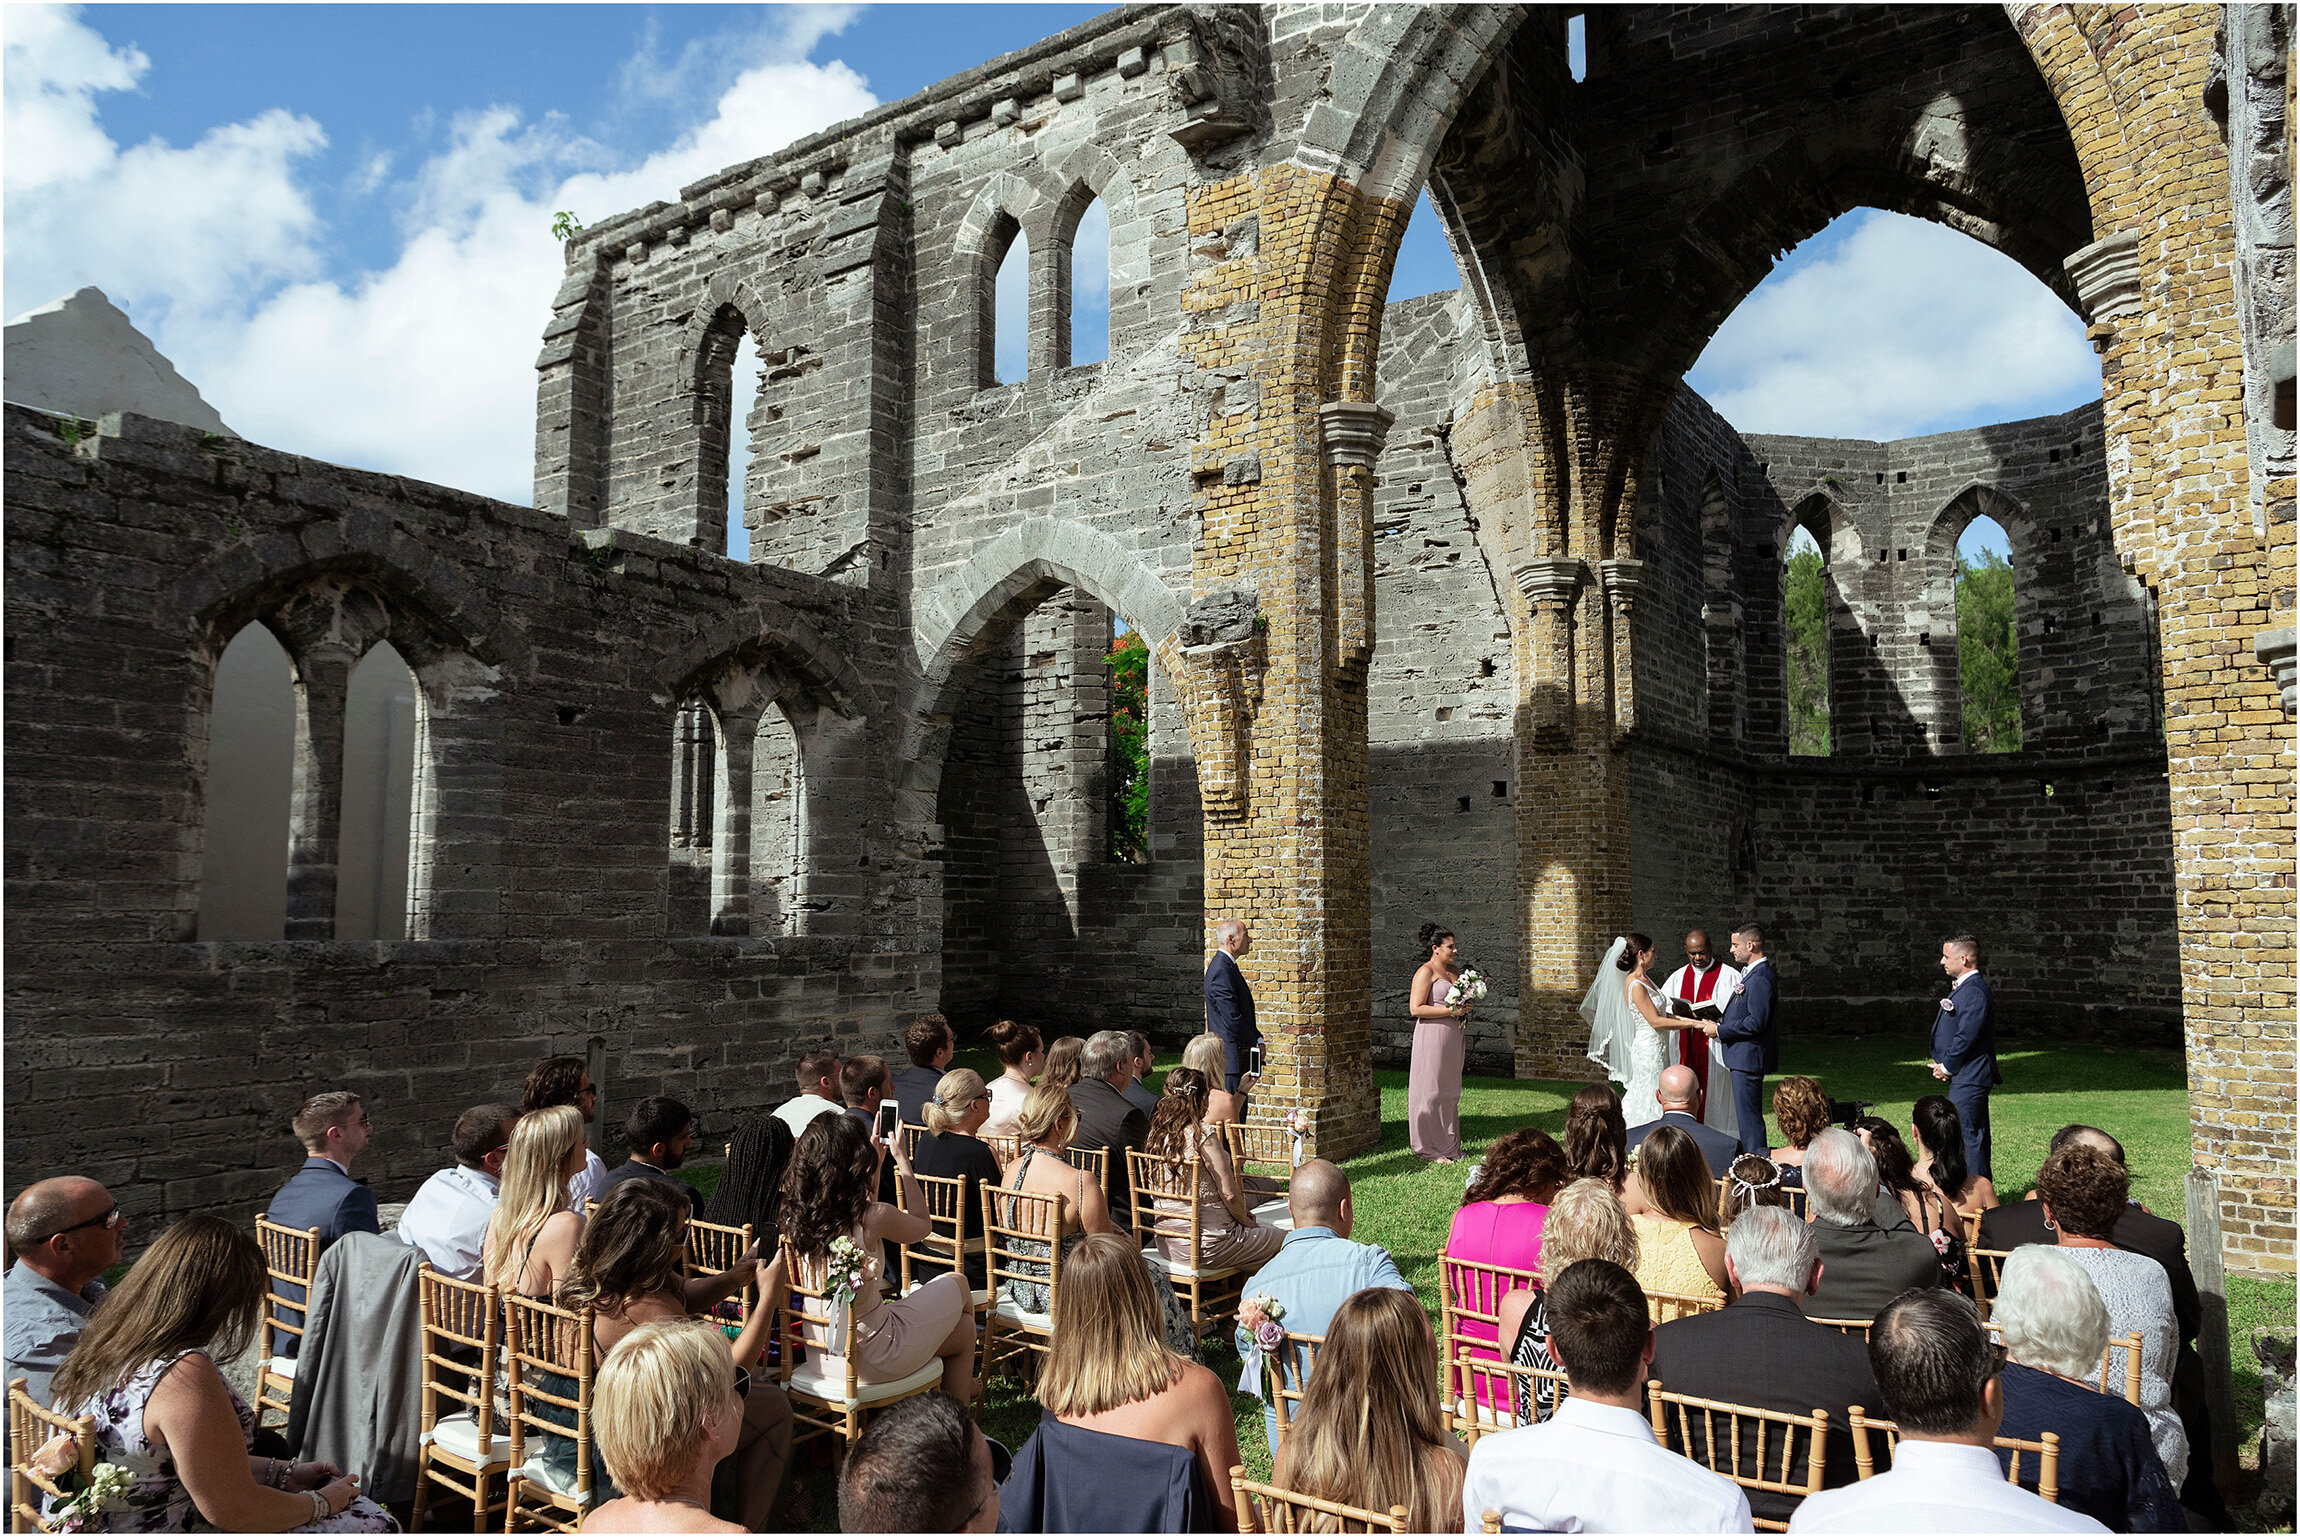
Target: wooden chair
(1851,1326)
(1286,1379)
(539,1338)
(712,1248)
(1490,1522)
(1282,1510)
(290,1257)
(1988,1270)
(946,1248)
(1797,1207)
(827,1393)
(1262,1151)
(1093,1161)
(910,1136)
(1005,1149)
(1666,1307)
(1161,1189)
(1469,1316)
(1489,1402)
(1972,1228)
(1010,1219)
(2114,1377)
(1746,1459)
(464,1450)
(2046,1450)
(31,1427)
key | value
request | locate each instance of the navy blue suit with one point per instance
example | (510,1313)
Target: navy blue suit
(1746,1041)
(1965,1043)
(1230,1015)
(320,1195)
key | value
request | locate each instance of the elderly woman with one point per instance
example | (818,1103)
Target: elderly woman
(1586,1221)
(665,1415)
(2083,1193)
(2055,1326)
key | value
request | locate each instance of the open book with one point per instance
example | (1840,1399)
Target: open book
(1711,1011)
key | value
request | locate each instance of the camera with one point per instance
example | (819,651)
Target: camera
(1844,1112)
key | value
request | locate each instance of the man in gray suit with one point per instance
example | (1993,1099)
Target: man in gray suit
(1863,1266)
(334,1129)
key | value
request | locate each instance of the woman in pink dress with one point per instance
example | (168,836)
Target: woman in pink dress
(1500,1224)
(1433,1086)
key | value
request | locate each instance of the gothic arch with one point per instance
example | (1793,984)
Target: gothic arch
(1937,620)
(772,632)
(1082,176)
(1008,205)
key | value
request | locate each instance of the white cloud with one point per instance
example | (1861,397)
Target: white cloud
(1906,327)
(425,368)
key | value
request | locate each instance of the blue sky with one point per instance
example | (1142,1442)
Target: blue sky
(335,219)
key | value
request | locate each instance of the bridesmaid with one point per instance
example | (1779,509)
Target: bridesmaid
(1433,1089)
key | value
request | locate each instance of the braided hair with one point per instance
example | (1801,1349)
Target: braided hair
(751,1185)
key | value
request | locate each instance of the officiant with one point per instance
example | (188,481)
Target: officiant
(1700,988)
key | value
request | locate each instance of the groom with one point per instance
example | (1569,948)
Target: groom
(1745,1035)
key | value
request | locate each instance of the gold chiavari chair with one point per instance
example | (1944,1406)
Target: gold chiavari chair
(946,1247)
(713,1248)
(290,1257)
(1171,1192)
(828,1394)
(1469,1318)
(552,1362)
(1858,1327)
(2046,1450)
(1286,1378)
(1022,1244)
(1666,1307)
(1282,1510)
(465,1450)
(1692,1425)
(1502,1395)
(30,1427)
(1988,1271)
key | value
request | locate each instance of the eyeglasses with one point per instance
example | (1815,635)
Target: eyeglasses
(111,1218)
(1997,1358)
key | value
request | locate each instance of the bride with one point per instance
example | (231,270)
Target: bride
(1628,1018)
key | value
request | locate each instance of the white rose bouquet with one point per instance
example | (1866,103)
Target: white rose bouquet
(1468,989)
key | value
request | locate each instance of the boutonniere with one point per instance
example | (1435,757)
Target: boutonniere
(1948,1005)
(1738,988)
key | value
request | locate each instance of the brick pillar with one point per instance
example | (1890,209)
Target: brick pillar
(315,825)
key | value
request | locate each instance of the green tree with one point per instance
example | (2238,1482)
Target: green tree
(1808,650)
(1988,654)
(1129,661)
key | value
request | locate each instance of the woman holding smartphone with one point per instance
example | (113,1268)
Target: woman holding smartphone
(828,1195)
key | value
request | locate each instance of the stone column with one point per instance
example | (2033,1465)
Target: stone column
(315,825)
(1353,432)
(1549,586)
(1623,579)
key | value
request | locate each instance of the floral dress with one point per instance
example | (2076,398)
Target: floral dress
(158,1501)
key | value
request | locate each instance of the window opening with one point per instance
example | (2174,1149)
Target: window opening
(250,786)
(1806,609)
(1577,46)
(1010,322)
(378,797)
(1090,285)
(1988,639)
(1129,659)
(743,390)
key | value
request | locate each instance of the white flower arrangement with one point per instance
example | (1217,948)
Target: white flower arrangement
(1468,988)
(83,1511)
(845,1269)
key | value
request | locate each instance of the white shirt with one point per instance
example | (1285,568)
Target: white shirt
(1937,1486)
(585,1186)
(799,1113)
(447,1220)
(1592,1467)
(1681,985)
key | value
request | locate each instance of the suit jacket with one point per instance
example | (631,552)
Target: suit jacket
(1760,1351)
(1715,1146)
(1965,1035)
(630,1169)
(1745,1037)
(2010,1226)
(1230,1013)
(1864,1266)
(320,1195)
(913,1087)
(1107,1120)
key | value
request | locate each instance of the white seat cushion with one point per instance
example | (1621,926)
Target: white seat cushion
(1174,1272)
(459,1434)
(826,1387)
(281,1366)
(1269,1213)
(1010,1311)
(1486,1416)
(541,1472)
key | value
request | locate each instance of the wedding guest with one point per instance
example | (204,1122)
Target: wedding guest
(567,1081)
(1751,1182)
(818,1092)
(1205,1054)
(1679,1088)
(1502,1217)
(2055,1327)
(864,1083)
(951,1150)
(145,1370)
(1593,1465)
(629,1271)
(1441,1033)
(447,1220)
(1761,1351)
(1062,1069)
(1586,1221)
(1369,1434)
(750,1188)
(65,1233)
(334,1129)
(1897,1172)
(1318,1266)
(922,1466)
(1937,1374)
(1801,1110)
(929,1045)
(533,1233)
(2083,1193)
(1139,1093)
(1864,1266)
(1679,1250)
(1596,1137)
(1022,1055)
(828,1196)
(659,1131)
(1228,1235)
(1113,1371)
(1230,1002)
(1939,1134)
(664,1415)
(1105,1119)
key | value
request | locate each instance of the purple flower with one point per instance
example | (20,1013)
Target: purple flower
(1269,1335)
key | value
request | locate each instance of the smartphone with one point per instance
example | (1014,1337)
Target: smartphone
(889,1119)
(1254,1058)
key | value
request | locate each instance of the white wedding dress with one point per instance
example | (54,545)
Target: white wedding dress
(1631,1051)
(1648,1055)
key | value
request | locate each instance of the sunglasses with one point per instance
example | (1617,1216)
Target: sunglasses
(111,1218)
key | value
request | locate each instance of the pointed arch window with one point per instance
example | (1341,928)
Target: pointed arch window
(379,729)
(1805,642)
(1089,277)
(249,787)
(1988,639)
(1009,328)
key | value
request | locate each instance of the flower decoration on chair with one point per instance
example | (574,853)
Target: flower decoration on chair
(1260,1331)
(83,1509)
(1298,1123)
(846,1270)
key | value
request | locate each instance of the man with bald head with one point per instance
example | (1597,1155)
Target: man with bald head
(1318,1268)
(65,1234)
(1678,1089)
(1230,1002)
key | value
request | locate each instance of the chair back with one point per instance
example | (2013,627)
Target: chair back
(1793,1195)
(1005,1148)
(1094,1161)
(1490,1522)
(910,1135)
(1665,1307)
(2125,1378)
(1756,1448)
(461,1325)
(290,1256)
(810,1316)
(946,1246)
(1268,1508)
(1171,1190)
(31,1427)
(1286,1380)
(2045,1449)
(538,1337)
(1988,1270)
(1260,1147)
(713,1248)
(1010,1218)
(1492,1391)
(1857,1328)
(1470,1314)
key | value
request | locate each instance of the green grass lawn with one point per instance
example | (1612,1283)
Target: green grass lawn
(1407,1206)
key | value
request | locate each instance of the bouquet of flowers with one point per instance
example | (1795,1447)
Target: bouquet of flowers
(1298,1122)
(1260,1331)
(846,1271)
(1468,988)
(83,1509)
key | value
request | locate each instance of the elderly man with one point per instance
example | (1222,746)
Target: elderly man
(1678,1089)
(1864,1266)
(66,1234)
(447,1220)
(1105,1117)
(1761,1351)
(1230,1002)
(1318,1268)
(1937,1372)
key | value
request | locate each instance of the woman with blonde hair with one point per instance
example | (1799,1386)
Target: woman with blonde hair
(1113,1372)
(1586,1221)
(951,1150)
(665,1415)
(1209,1056)
(532,1236)
(1369,1433)
(1227,1232)
(1021,1056)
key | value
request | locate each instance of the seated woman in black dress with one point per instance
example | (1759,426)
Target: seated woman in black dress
(951,1150)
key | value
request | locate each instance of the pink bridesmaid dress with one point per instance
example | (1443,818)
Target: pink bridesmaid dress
(1433,1084)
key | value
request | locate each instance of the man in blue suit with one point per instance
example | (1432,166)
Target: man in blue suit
(333,1128)
(1230,1002)
(1965,1047)
(1745,1037)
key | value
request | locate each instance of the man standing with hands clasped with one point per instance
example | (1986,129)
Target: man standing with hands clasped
(1745,1034)
(1965,1047)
